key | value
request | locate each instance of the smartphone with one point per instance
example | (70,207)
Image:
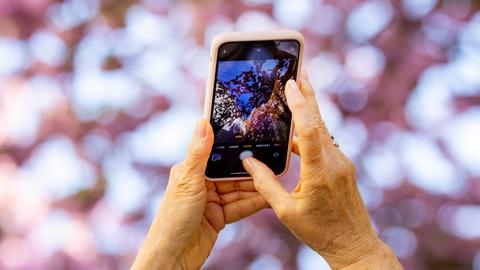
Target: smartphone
(245,100)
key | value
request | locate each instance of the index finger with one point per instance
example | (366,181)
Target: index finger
(199,151)
(309,125)
(308,92)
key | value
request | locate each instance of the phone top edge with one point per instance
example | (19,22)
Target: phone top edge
(255,36)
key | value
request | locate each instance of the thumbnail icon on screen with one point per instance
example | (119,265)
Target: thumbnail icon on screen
(216,156)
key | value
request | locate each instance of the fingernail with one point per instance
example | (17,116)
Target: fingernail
(291,85)
(294,91)
(249,163)
(201,129)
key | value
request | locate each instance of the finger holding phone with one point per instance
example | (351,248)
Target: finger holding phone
(194,210)
(325,210)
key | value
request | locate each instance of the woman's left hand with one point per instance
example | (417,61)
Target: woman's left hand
(194,210)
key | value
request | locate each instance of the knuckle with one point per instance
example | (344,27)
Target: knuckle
(176,168)
(313,129)
(195,151)
(195,157)
(313,158)
(191,172)
(318,122)
(184,187)
(175,171)
(181,187)
(347,170)
(310,132)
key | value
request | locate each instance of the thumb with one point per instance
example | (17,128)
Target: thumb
(268,185)
(198,153)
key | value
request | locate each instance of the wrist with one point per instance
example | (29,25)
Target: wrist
(360,250)
(158,253)
(382,258)
(373,254)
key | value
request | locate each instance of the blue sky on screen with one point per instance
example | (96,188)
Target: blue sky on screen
(228,70)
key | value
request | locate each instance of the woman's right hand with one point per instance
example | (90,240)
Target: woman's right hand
(325,211)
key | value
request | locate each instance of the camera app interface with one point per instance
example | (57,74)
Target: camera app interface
(250,116)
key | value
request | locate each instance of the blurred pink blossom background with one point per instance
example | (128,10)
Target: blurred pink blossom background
(98,99)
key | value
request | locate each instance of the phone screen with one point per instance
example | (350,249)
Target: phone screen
(250,116)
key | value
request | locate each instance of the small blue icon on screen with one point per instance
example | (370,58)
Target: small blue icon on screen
(216,156)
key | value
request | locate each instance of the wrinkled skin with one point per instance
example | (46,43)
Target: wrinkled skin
(325,210)
(194,211)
